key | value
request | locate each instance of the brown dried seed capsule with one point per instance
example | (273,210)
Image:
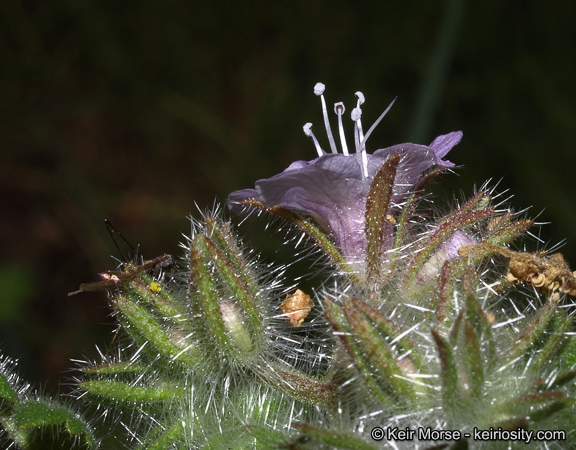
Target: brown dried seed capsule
(538,280)
(521,269)
(512,279)
(296,307)
(549,274)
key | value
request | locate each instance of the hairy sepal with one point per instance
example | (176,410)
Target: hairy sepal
(27,416)
(318,235)
(448,371)
(379,222)
(146,328)
(225,296)
(130,393)
(369,348)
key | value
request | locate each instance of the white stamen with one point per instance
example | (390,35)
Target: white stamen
(361,100)
(319,90)
(308,132)
(339,110)
(356,114)
(359,137)
(364,163)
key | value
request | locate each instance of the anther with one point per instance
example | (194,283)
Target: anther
(308,132)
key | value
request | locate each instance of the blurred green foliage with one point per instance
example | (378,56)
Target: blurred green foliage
(133,111)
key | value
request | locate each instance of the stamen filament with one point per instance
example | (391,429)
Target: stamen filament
(375,124)
(319,90)
(358,139)
(361,101)
(339,110)
(308,132)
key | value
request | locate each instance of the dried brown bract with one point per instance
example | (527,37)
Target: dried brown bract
(296,307)
(549,274)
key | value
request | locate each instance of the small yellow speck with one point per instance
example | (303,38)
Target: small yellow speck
(155,287)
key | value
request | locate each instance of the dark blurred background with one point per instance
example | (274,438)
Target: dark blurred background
(135,111)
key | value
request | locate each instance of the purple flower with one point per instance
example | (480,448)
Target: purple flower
(333,188)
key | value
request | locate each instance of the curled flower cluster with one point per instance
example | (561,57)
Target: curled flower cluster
(427,323)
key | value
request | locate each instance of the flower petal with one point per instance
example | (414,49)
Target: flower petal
(444,143)
(236,198)
(333,190)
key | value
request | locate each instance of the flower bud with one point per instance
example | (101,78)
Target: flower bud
(223,292)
